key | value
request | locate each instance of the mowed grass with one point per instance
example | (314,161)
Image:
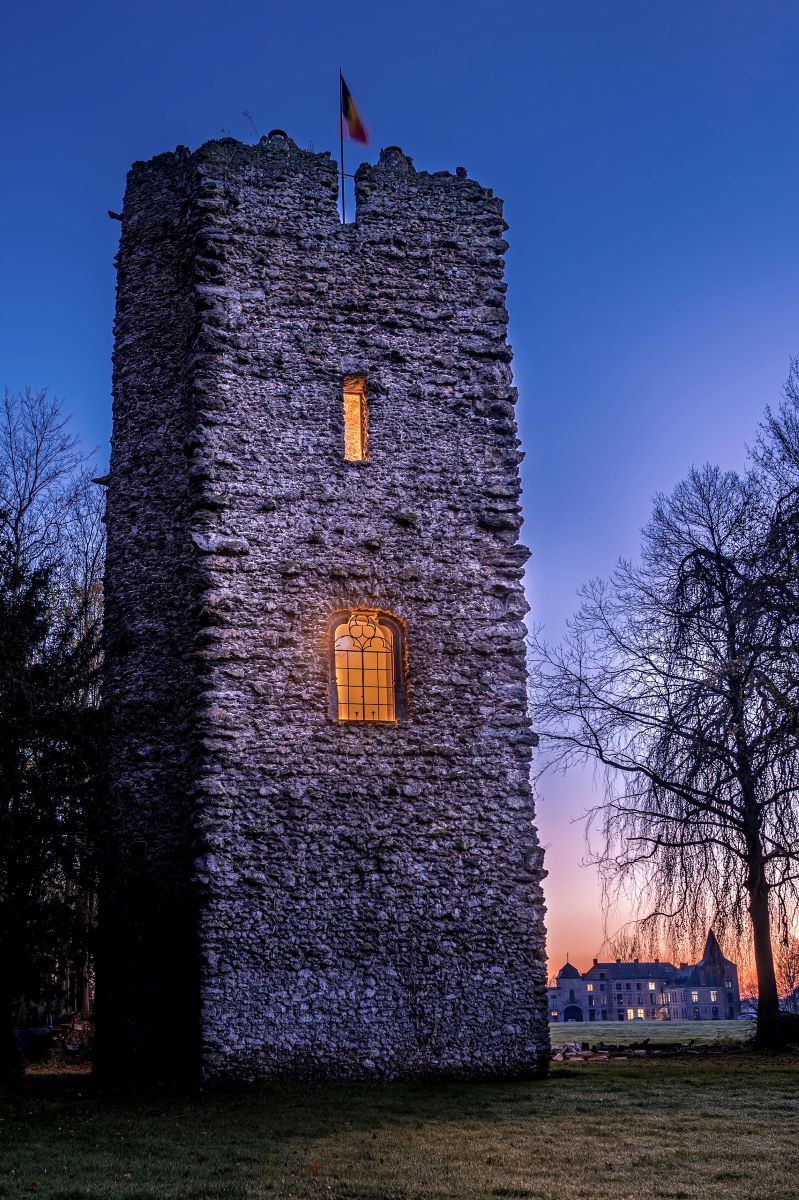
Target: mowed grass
(624,1033)
(696,1129)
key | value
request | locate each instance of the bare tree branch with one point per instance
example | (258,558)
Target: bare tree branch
(677,675)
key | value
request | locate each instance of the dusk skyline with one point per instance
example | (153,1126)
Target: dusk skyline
(646,160)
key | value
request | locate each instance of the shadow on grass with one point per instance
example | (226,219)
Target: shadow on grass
(636,1126)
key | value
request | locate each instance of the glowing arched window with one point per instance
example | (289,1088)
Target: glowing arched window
(365,654)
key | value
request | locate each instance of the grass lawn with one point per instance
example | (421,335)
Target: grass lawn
(701,1128)
(622,1033)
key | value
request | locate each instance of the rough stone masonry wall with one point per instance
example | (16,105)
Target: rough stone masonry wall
(147,959)
(368,895)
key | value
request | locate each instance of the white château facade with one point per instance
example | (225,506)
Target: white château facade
(649,991)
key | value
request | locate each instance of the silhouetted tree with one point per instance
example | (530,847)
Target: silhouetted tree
(50,607)
(776,458)
(678,676)
(624,946)
(788,971)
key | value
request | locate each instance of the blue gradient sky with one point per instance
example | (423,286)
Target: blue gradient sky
(647,153)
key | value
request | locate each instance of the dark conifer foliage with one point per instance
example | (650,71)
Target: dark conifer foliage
(50,605)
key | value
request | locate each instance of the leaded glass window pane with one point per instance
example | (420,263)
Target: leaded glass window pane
(364,653)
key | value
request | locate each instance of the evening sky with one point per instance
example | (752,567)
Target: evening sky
(647,154)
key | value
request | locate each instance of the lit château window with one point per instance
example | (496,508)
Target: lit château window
(356,419)
(365,657)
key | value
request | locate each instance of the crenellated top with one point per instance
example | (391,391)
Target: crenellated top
(301,186)
(393,189)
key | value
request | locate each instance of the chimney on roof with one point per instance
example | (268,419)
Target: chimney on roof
(618,960)
(596,960)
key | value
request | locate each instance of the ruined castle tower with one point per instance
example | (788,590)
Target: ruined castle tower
(326,864)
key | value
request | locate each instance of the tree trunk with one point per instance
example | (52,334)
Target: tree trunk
(768,1002)
(10,1058)
(769,1034)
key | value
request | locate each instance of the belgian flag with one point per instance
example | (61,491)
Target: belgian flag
(350,117)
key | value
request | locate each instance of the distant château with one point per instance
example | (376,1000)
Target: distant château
(649,991)
(326,863)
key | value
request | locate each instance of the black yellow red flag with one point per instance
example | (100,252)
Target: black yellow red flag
(350,117)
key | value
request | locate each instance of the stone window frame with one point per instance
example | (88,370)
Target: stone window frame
(400,649)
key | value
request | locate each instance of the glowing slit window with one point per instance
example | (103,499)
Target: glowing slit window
(364,652)
(356,419)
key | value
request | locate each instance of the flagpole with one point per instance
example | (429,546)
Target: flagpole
(341,140)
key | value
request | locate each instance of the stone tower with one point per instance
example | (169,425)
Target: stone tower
(320,750)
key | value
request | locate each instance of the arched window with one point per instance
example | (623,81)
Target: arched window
(366,676)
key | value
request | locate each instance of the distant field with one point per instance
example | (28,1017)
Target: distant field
(623,1032)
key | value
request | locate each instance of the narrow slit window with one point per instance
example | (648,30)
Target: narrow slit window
(356,419)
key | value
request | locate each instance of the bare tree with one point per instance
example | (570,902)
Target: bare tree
(624,946)
(776,458)
(51,548)
(788,971)
(749,996)
(40,478)
(674,676)
(776,452)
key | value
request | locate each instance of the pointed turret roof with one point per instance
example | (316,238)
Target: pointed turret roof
(712,951)
(711,968)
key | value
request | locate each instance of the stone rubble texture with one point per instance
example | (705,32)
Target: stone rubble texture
(293,896)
